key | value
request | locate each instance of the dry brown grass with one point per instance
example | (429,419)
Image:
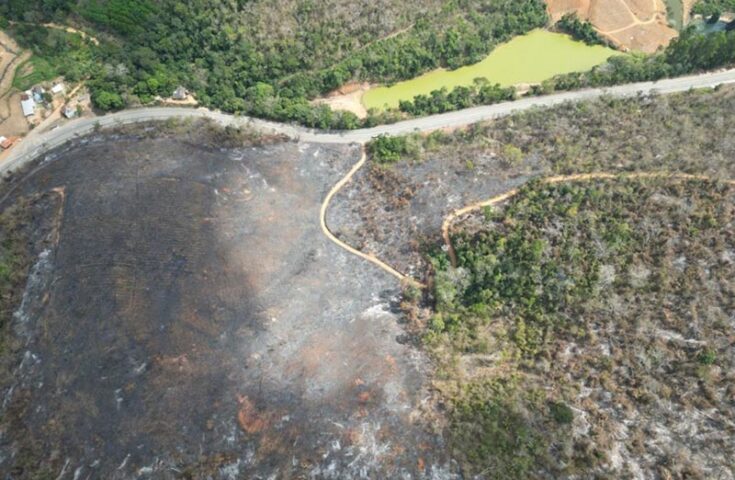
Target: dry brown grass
(639,25)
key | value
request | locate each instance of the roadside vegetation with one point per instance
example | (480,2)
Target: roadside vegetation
(235,58)
(686,132)
(691,52)
(585,330)
(481,92)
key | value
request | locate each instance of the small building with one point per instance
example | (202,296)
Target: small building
(6,143)
(28,105)
(37,93)
(180,93)
(58,88)
(69,112)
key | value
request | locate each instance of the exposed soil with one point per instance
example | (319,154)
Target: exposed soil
(12,121)
(348,98)
(639,25)
(193,322)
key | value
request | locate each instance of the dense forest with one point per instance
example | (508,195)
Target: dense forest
(581,30)
(709,8)
(235,58)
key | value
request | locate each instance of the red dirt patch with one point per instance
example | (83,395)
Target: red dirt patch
(250,419)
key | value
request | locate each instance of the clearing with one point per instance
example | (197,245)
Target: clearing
(12,121)
(640,25)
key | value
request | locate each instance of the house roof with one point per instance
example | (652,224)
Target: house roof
(8,142)
(28,105)
(58,88)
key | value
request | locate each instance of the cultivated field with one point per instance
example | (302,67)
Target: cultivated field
(639,25)
(12,122)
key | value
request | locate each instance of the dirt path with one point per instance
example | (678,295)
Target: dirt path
(367,256)
(446,226)
(72,30)
(65,28)
(636,20)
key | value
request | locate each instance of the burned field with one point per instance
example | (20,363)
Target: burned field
(587,330)
(185,317)
(395,209)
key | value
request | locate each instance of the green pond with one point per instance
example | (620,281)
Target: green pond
(529,58)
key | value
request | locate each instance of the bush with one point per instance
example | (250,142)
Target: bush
(561,413)
(707,357)
(385,149)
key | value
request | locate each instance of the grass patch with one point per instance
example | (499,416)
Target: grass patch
(55,53)
(34,71)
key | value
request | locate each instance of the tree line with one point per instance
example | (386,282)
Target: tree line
(219,51)
(216,50)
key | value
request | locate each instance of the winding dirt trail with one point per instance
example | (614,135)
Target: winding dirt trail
(446,226)
(367,256)
(450,219)
(64,28)
(38,141)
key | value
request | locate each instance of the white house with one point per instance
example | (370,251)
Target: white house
(180,93)
(69,112)
(58,88)
(27,104)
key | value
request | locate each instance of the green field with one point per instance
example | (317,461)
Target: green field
(530,58)
(33,71)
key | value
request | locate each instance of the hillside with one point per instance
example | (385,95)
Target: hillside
(234,57)
(587,330)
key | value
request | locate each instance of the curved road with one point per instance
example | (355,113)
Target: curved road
(35,143)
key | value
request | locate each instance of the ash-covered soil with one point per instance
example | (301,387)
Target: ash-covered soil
(395,211)
(190,320)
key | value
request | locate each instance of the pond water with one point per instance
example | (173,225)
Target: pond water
(529,58)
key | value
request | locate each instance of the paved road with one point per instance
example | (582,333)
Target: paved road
(37,143)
